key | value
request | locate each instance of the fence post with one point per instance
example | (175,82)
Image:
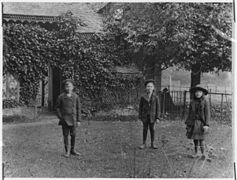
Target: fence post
(129,97)
(221,104)
(184,103)
(35,109)
(210,97)
(7,86)
(18,91)
(163,103)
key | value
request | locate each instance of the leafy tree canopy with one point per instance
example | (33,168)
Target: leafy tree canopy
(181,34)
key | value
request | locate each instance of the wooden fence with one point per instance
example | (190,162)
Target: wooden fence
(174,104)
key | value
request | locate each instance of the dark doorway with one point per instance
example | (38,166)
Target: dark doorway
(56,85)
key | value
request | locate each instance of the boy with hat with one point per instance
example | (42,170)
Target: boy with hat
(198,119)
(69,113)
(149,112)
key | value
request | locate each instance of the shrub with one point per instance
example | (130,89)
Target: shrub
(10,103)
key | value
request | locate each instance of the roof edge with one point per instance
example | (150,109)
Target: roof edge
(30,18)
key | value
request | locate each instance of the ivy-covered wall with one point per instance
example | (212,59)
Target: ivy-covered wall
(29,50)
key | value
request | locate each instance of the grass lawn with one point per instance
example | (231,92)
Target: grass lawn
(109,149)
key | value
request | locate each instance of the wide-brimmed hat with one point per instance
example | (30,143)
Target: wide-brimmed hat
(148,81)
(199,87)
(67,80)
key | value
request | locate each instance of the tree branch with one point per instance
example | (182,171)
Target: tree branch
(222,34)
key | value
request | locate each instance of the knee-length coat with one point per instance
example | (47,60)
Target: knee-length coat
(199,109)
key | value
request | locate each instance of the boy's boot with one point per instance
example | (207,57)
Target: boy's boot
(143,146)
(195,155)
(144,136)
(73,152)
(153,138)
(153,146)
(203,153)
(67,152)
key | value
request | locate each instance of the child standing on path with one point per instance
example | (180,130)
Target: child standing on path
(198,118)
(149,112)
(69,113)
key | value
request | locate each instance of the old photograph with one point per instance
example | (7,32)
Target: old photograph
(117,89)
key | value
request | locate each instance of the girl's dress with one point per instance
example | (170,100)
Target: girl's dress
(198,132)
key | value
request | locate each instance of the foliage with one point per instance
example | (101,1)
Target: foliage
(151,28)
(15,119)
(145,33)
(25,56)
(181,34)
(89,61)
(222,114)
(9,103)
(203,44)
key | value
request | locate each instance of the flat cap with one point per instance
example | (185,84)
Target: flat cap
(67,80)
(148,81)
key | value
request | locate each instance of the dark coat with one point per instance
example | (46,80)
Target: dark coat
(151,108)
(167,103)
(68,109)
(199,109)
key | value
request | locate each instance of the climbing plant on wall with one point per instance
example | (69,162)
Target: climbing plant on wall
(30,49)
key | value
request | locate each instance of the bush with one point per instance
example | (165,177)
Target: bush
(112,118)
(10,103)
(15,119)
(221,114)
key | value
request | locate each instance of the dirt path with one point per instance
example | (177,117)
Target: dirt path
(109,149)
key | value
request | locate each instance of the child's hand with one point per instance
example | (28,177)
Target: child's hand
(205,128)
(140,122)
(78,123)
(157,120)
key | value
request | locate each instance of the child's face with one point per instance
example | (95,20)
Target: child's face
(198,94)
(150,87)
(68,87)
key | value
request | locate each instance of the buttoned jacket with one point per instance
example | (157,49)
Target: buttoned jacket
(149,108)
(68,109)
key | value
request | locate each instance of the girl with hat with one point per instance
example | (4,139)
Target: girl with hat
(149,112)
(198,119)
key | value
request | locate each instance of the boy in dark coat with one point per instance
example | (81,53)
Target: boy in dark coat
(149,112)
(69,113)
(198,118)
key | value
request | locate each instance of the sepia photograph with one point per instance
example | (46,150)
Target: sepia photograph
(117,89)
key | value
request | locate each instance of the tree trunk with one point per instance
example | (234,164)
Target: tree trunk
(154,72)
(195,74)
(149,72)
(157,76)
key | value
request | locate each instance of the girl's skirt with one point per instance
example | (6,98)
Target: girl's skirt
(198,131)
